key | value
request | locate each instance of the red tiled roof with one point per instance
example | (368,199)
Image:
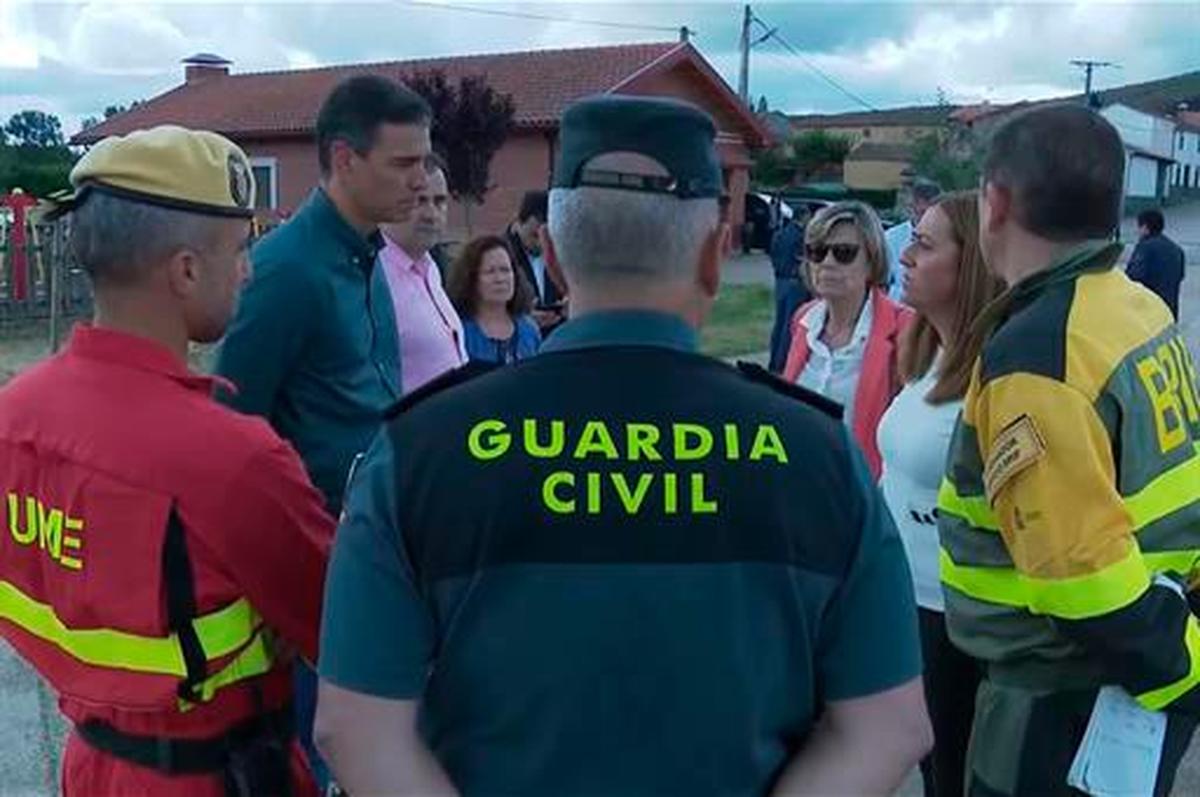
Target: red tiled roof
(542,84)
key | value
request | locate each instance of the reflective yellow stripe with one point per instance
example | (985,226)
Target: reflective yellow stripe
(1173,490)
(226,630)
(1160,698)
(1001,585)
(1111,588)
(1091,595)
(1181,562)
(220,633)
(974,509)
(255,660)
(100,647)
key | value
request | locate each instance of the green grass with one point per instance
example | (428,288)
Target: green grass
(740,322)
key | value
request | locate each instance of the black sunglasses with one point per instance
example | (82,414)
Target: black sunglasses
(844,254)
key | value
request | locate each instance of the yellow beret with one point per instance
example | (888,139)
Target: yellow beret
(191,170)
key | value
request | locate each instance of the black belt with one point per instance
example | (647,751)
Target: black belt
(184,756)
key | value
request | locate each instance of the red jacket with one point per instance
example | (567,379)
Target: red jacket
(879,381)
(99,447)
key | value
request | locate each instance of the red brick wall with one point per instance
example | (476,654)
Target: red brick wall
(523,164)
(296,167)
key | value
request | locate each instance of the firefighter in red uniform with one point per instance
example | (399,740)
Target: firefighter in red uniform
(162,558)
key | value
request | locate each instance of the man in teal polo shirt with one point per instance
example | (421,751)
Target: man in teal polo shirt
(620,567)
(313,347)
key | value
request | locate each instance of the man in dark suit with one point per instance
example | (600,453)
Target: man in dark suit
(524,238)
(1157,261)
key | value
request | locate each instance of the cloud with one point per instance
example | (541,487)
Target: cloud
(74,60)
(1009,52)
(124,39)
(17,50)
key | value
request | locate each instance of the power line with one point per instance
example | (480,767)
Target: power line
(773,33)
(494,12)
(1088,66)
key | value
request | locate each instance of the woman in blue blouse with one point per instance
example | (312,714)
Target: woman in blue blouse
(494,301)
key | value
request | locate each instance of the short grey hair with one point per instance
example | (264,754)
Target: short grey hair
(602,234)
(117,240)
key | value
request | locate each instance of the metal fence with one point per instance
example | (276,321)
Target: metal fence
(42,290)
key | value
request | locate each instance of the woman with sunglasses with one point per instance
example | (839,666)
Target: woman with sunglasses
(845,342)
(946,281)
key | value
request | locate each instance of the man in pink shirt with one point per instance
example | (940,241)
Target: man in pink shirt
(430,332)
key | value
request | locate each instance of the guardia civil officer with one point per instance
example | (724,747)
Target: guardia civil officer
(620,567)
(160,552)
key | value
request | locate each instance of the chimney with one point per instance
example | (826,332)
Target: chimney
(204,66)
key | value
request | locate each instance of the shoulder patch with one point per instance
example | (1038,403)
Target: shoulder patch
(458,376)
(756,373)
(1017,447)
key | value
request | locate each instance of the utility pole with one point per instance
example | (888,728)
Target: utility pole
(1088,67)
(744,73)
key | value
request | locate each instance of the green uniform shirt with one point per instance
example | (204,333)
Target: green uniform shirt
(617,568)
(313,346)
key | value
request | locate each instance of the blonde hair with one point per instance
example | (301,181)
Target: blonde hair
(870,230)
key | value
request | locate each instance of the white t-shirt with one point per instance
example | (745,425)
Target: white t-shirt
(914,440)
(834,374)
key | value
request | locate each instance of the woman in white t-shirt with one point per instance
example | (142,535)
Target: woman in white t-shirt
(946,282)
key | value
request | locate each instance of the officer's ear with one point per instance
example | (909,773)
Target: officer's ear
(717,247)
(995,206)
(184,273)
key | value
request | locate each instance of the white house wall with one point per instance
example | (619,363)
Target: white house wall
(1187,157)
(1142,129)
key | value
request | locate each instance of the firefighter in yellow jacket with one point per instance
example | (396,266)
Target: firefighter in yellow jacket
(1070,515)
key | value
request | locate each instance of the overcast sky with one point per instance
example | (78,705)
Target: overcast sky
(73,59)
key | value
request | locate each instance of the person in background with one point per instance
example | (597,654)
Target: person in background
(922,195)
(845,342)
(313,346)
(428,327)
(494,300)
(787,254)
(1157,262)
(947,283)
(525,244)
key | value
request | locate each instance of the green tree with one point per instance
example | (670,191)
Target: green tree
(934,159)
(471,122)
(773,168)
(817,149)
(800,159)
(35,129)
(33,156)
